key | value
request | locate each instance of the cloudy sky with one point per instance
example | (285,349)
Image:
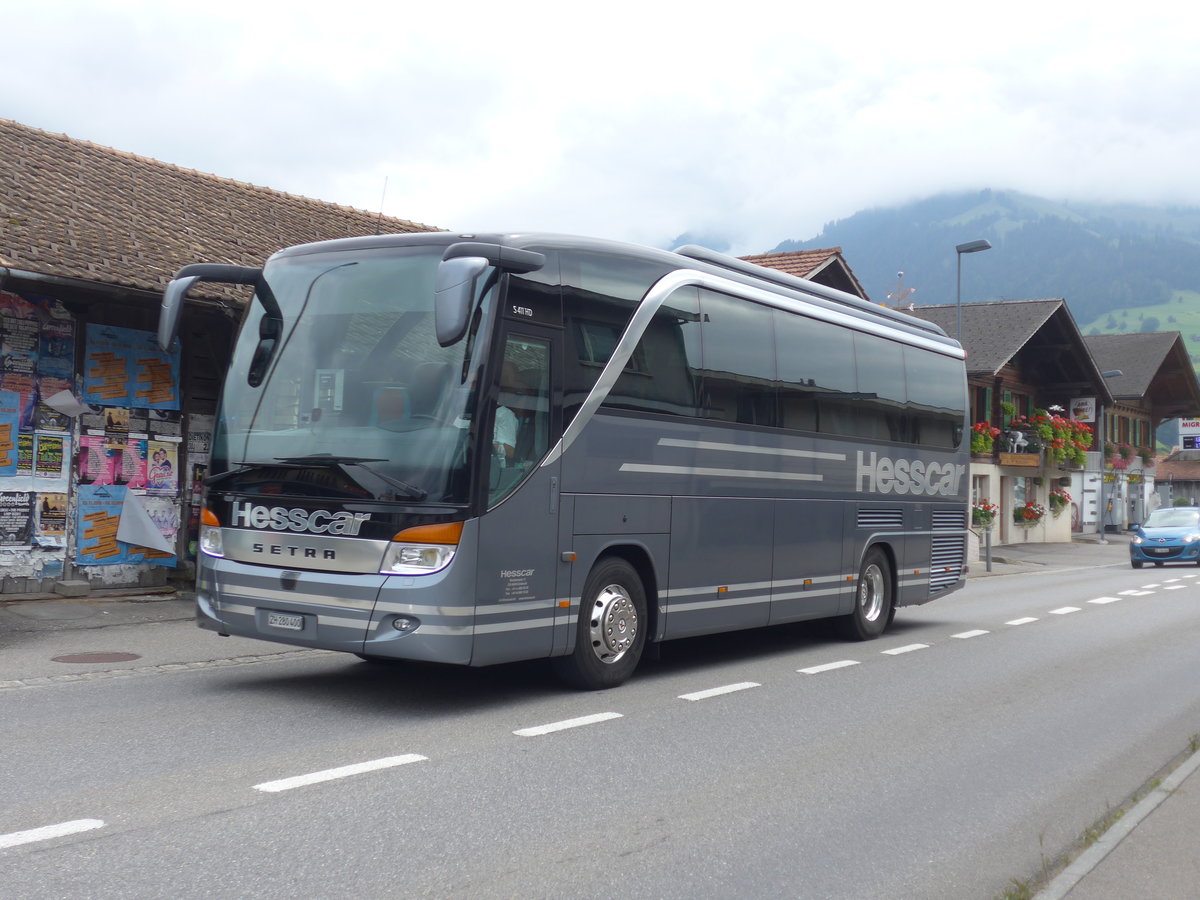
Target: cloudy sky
(631,120)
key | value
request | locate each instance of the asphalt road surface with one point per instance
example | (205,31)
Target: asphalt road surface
(972,742)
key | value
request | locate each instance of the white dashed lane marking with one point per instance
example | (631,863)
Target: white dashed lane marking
(48,832)
(1024,621)
(1064,610)
(907,648)
(1100,601)
(828,667)
(287,784)
(964,635)
(718,691)
(539,730)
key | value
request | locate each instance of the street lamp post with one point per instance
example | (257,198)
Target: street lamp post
(959,250)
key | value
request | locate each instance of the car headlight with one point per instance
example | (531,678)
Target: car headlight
(1191,538)
(422,550)
(1137,539)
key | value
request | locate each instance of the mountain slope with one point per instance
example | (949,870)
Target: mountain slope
(1100,258)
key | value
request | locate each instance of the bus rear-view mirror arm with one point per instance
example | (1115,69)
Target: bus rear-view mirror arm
(185,278)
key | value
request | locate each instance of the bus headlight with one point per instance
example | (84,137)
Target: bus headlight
(210,534)
(422,550)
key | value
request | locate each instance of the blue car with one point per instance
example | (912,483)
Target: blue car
(1168,535)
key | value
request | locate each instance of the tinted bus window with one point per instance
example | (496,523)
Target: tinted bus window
(936,399)
(739,360)
(600,294)
(881,389)
(816,374)
(664,371)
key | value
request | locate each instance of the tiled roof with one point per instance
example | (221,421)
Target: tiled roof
(73,209)
(1137,356)
(1179,466)
(993,333)
(1154,365)
(813,264)
(800,263)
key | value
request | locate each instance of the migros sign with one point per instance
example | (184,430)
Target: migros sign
(883,475)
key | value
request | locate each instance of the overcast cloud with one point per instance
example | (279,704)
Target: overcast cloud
(630,120)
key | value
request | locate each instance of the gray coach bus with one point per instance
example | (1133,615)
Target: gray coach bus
(476,449)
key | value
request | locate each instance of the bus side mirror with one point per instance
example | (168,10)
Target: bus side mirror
(172,307)
(454,295)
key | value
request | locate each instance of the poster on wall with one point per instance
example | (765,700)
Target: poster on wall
(50,529)
(162,477)
(10,411)
(97,464)
(16,520)
(133,465)
(99,513)
(124,367)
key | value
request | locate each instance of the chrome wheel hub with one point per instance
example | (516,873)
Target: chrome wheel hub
(613,626)
(870,593)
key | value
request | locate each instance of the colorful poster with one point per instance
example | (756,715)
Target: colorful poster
(99,515)
(116,427)
(16,519)
(162,477)
(46,418)
(124,367)
(96,464)
(24,454)
(10,412)
(50,458)
(133,465)
(51,527)
(56,356)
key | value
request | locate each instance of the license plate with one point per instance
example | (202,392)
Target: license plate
(285,621)
(1163,551)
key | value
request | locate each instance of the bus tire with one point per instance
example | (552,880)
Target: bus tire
(611,630)
(874,599)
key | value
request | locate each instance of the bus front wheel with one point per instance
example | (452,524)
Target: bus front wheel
(611,630)
(874,599)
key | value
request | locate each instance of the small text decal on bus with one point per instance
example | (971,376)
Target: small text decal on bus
(884,475)
(278,518)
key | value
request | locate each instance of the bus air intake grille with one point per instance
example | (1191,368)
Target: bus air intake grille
(954,519)
(877,519)
(949,552)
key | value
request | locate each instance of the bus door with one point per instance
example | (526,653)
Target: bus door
(518,535)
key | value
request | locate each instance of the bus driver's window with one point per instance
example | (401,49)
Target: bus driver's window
(521,425)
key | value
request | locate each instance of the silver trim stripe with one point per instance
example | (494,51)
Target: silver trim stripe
(738,448)
(718,473)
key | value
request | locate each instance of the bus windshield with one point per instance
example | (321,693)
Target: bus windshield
(358,379)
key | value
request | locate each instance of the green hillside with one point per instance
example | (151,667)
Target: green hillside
(1181,313)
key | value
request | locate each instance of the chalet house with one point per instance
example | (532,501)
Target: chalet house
(89,236)
(1151,379)
(827,267)
(1033,387)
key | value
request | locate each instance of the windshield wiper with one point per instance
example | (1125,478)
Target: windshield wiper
(326,459)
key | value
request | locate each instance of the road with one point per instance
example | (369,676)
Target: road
(970,743)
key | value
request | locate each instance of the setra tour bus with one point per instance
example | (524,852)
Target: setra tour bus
(476,449)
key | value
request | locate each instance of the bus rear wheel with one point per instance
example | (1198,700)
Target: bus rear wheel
(611,630)
(874,599)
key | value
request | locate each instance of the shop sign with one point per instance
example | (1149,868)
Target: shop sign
(1028,460)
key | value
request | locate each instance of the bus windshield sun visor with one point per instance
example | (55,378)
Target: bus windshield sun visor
(185,278)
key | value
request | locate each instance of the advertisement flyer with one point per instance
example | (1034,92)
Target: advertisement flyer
(134,465)
(16,515)
(124,367)
(99,516)
(162,478)
(51,527)
(10,410)
(97,465)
